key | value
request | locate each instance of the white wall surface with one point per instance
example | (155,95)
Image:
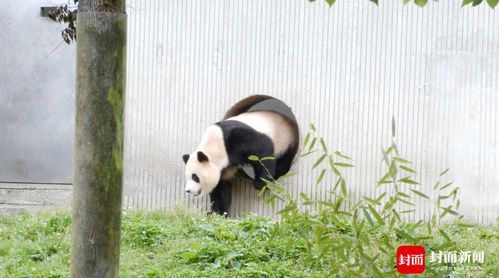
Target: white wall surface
(347,69)
(37,86)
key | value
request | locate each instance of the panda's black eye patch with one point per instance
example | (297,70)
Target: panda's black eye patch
(195,178)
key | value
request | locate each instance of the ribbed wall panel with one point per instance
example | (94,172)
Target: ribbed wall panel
(347,69)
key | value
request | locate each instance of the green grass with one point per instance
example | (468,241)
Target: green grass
(181,244)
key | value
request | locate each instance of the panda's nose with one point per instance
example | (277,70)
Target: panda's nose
(188,191)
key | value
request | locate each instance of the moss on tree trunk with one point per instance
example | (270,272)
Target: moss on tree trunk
(100,98)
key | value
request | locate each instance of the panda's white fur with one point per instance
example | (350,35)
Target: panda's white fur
(209,172)
(271,124)
(212,144)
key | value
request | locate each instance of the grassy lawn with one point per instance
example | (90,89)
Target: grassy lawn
(181,244)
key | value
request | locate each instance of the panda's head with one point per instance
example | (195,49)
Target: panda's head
(201,174)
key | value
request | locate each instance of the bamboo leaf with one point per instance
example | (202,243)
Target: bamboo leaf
(380,197)
(339,164)
(492,3)
(420,194)
(312,127)
(288,175)
(319,161)
(304,196)
(444,172)
(421,3)
(372,201)
(407,169)
(402,160)
(447,238)
(307,138)
(321,176)
(343,188)
(466,2)
(476,2)
(408,181)
(437,184)
(406,202)
(376,215)
(368,217)
(308,153)
(253,157)
(338,153)
(405,235)
(446,185)
(408,211)
(336,184)
(312,145)
(323,145)
(267,158)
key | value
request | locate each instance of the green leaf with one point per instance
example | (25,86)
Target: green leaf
(428,228)
(465,225)
(304,196)
(312,144)
(402,194)
(420,194)
(319,161)
(476,2)
(307,138)
(312,127)
(339,164)
(307,153)
(267,158)
(404,235)
(407,169)
(336,184)
(446,185)
(393,123)
(408,211)
(372,201)
(368,217)
(323,145)
(447,238)
(381,196)
(344,191)
(420,3)
(330,2)
(402,160)
(406,202)
(384,179)
(374,1)
(342,155)
(376,215)
(253,157)
(444,172)
(437,184)
(405,1)
(492,3)
(288,175)
(321,176)
(408,181)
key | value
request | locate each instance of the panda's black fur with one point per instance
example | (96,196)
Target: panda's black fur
(241,141)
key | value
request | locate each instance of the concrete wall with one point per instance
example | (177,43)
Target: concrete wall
(347,69)
(37,81)
(37,77)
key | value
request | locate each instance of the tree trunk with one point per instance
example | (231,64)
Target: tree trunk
(100,99)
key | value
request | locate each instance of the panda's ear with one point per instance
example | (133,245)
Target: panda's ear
(185,157)
(202,157)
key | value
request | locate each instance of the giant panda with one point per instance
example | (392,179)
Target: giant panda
(226,145)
